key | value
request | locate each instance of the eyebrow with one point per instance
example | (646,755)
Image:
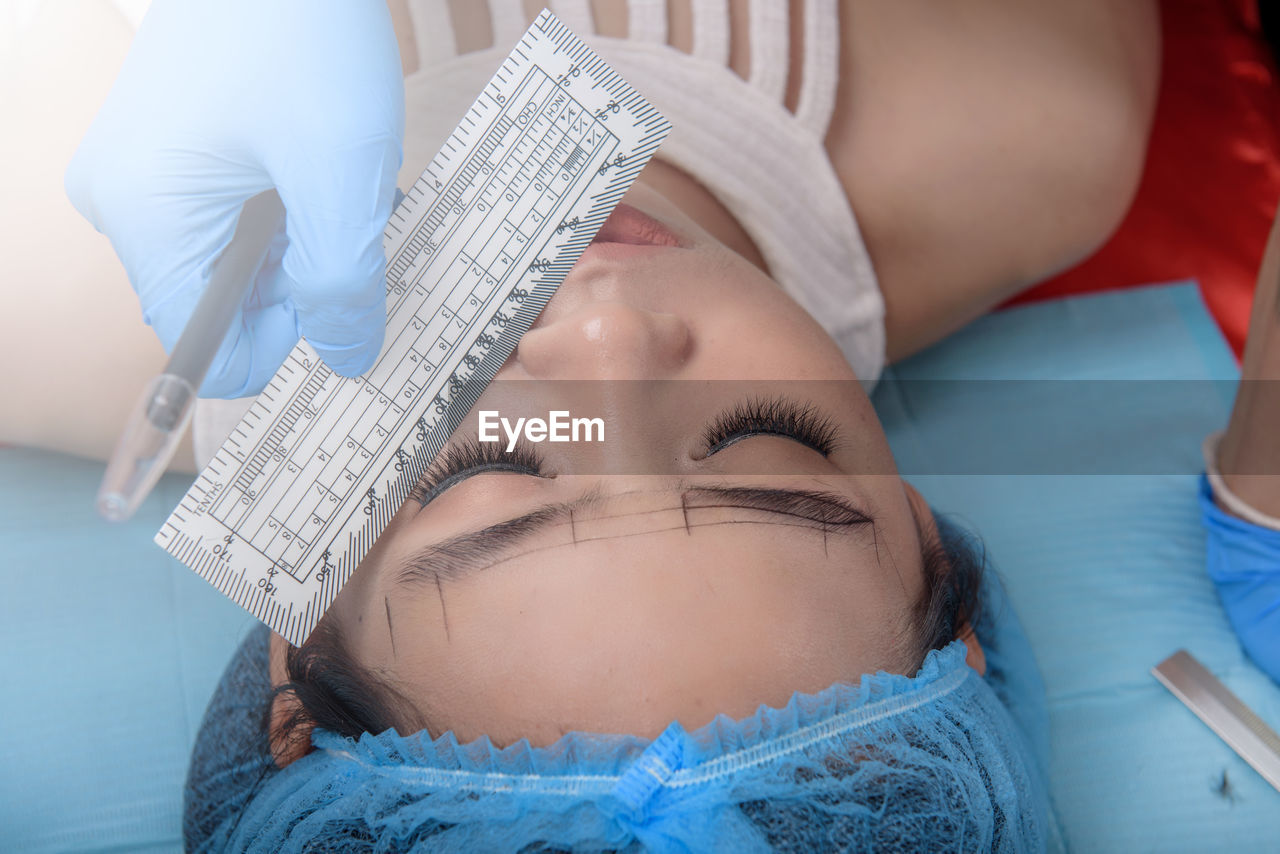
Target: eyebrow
(456,556)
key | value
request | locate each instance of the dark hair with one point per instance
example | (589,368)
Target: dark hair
(334,692)
(954,562)
(331,690)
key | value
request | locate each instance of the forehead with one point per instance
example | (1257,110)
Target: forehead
(622,632)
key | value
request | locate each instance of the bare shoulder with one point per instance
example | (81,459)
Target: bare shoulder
(987,144)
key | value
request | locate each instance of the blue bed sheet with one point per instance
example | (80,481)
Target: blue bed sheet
(112,649)
(1092,410)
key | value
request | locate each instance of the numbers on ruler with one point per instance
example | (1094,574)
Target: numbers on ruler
(267,582)
(604,112)
(326,566)
(371,501)
(616,161)
(222,550)
(540,265)
(567,225)
(563,80)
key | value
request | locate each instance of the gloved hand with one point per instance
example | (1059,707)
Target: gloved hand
(217,101)
(1244,563)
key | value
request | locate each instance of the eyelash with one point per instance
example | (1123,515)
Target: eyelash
(774,416)
(458,462)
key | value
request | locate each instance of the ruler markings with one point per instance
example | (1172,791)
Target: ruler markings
(476,248)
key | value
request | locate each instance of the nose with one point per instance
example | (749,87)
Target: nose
(606,340)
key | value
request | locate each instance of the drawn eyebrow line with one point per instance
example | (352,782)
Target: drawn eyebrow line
(456,556)
(434,572)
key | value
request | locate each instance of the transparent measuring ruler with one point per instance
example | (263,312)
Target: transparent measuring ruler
(295,498)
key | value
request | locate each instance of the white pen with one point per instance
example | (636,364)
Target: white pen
(162,414)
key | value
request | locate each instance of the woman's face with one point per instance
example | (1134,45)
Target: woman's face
(739,535)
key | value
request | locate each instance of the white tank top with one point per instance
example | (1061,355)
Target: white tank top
(767,165)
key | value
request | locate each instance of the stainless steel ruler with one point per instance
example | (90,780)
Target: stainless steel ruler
(295,498)
(1233,721)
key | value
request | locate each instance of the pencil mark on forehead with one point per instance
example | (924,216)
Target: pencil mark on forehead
(444,613)
(700,506)
(390,631)
(443,569)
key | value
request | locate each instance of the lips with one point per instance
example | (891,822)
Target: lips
(632,226)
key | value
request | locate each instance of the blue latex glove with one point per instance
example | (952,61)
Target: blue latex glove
(217,101)
(1244,563)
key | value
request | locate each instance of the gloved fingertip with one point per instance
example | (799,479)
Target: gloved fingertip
(238,377)
(248,360)
(351,361)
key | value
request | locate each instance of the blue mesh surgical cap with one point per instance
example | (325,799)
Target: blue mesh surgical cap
(945,760)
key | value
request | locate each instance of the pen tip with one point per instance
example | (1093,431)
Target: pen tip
(113,507)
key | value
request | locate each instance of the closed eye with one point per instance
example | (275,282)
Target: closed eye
(467,459)
(775,416)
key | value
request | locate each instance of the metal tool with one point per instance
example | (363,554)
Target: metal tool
(1232,720)
(297,495)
